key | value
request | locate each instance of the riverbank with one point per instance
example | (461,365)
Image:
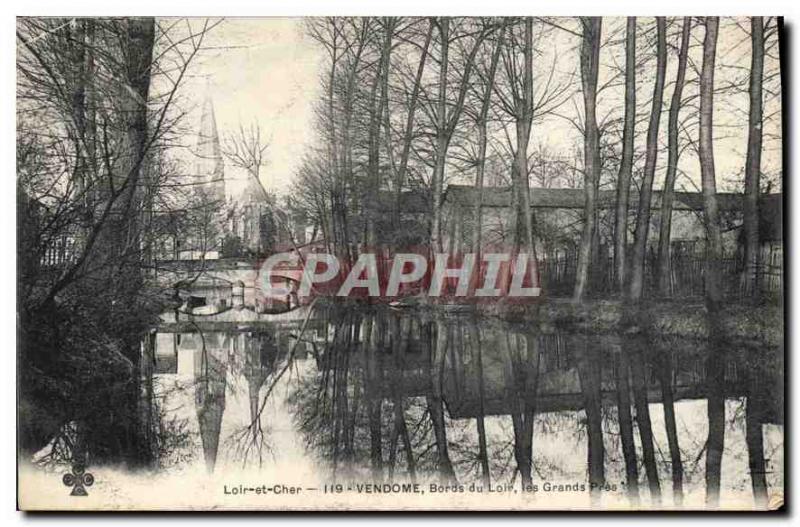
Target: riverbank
(758,325)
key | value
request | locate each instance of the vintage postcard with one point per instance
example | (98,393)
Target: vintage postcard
(400,263)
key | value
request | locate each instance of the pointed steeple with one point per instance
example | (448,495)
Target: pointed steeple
(260,354)
(210,404)
(210,167)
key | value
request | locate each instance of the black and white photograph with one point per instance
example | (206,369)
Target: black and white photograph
(400,263)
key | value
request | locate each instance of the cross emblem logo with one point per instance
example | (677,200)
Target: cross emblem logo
(78,479)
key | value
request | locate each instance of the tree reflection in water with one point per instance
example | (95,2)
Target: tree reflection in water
(384,395)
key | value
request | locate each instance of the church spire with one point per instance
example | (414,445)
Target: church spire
(210,389)
(210,168)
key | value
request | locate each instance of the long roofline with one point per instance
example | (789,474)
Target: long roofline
(419,200)
(568,198)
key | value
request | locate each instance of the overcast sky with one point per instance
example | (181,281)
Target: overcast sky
(266,71)
(261,71)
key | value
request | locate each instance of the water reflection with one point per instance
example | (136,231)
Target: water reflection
(387,395)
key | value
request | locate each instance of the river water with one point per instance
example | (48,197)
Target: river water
(343,398)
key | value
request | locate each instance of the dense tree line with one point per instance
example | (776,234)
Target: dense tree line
(97,113)
(413,104)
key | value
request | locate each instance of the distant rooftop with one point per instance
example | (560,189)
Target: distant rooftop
(573,198)
(419,201)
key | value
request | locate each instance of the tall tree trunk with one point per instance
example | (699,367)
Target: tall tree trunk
(529,409)
(710,206)
(402,330)
(436,404)
(482,140)
(590,62)
(638,374)
(90,102)
(668,403)
(626,164)
(125,235)
(377,104)
(78,83)
(346,171)
(626,426)
(752,172)
(373,394)
(446,124)
(333,161)
(667,196)
(589,371)
(641,233)
(483,455)
(441,136)
(521,417)
(715,395)
(754,416)
(350,406)
(523,237)
(409,129)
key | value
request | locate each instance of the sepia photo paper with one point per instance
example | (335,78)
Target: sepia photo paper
(400,263)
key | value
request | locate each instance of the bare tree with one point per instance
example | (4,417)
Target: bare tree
(378,101)
(667,195)
(481,122)
(408,130)
(752,176)
(626,165)
(706,141)
(716,397)
(524,122)
(102,118)
(246,149)
(590,63)
(640,235)
(446,122)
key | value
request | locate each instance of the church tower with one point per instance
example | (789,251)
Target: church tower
(209,166)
